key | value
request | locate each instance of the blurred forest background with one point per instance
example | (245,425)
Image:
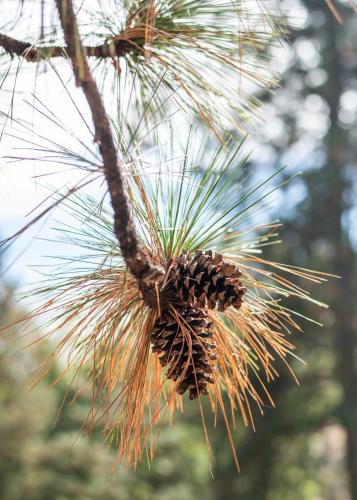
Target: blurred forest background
(306,448)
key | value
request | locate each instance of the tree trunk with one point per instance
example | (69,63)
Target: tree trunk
(329,216)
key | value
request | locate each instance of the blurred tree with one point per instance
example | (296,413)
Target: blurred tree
(315,110)
(40,461)
(325,233)
(23,414)
(312,127)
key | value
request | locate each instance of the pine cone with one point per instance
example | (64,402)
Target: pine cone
(206,280)
(187,347)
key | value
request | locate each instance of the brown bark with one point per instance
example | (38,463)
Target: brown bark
(110,48)
(343,262)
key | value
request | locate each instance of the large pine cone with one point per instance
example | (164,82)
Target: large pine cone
(185,343)
(206,280)
(188,348)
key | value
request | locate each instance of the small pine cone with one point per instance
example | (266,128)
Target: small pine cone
(187,348)
(206,280)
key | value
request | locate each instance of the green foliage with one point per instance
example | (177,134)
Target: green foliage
(40,461)
(299,449)
(207,57)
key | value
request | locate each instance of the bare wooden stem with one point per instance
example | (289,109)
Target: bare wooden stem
(118,47)
(133,252)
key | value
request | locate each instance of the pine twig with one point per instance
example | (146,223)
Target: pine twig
(133,253)
(31,53)
(334,11)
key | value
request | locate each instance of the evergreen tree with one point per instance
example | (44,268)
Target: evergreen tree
(167,293)
(315,114)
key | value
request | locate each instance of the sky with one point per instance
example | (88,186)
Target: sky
(25,184)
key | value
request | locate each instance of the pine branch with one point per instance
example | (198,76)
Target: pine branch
(133,253)
(110,48)
(184,45)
